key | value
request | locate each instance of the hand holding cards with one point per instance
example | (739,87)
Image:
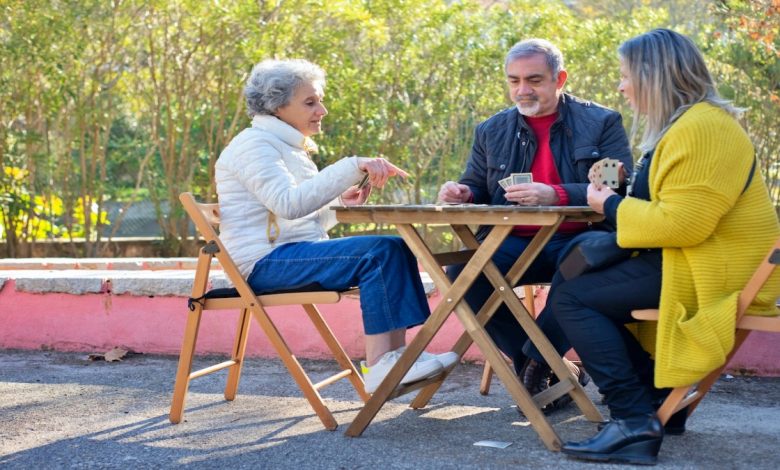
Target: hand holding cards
(605,172)
(516,178)
(363,183)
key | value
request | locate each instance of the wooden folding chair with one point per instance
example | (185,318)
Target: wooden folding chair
(487,370)
(691,396)
(206,219)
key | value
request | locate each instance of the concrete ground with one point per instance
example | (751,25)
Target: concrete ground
(60,410)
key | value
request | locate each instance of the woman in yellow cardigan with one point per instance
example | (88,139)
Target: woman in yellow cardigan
(701,218)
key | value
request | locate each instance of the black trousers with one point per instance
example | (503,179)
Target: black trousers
(592,311)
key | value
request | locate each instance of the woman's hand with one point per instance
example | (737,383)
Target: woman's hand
(596,197)
(379,170)
(354,196)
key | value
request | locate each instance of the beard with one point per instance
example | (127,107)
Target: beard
(528,109)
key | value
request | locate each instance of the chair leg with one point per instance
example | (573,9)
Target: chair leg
(185,365)
(487,377)
(294,367)
(239,349)
(674,402)
(335,347)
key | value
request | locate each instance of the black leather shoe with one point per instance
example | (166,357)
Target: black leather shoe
(632,440)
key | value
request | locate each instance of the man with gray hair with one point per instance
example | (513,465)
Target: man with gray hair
(555,137)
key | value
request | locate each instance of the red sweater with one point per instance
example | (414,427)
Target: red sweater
(544,171)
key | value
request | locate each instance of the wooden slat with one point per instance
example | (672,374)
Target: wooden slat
(211,369)
(454,257)
(272,300)
(646,315)
(747,322)
(756,323)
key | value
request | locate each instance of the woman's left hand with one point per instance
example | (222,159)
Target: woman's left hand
(596,197)
(354,196)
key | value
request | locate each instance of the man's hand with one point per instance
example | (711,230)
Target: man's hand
(596,197)
(532,194)
(454,193)
(379,170)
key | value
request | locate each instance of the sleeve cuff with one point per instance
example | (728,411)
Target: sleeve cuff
(563,196)
(611,208)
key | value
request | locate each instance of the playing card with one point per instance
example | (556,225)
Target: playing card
(605,173)
(363,182)
(505,182)
(609,173)
(594,174)
(521,178)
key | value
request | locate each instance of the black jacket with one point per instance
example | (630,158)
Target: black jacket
(583,134)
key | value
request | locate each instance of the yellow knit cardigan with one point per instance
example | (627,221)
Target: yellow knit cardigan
(712,238)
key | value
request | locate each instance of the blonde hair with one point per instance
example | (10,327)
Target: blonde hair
(668,75)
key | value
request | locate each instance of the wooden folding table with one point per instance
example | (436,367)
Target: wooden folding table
(477,257)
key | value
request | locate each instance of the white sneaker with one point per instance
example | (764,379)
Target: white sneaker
(374,375)
(445,359)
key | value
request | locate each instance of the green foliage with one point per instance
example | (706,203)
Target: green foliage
(135,99)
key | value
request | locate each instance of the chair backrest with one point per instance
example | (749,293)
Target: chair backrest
(206,218)
(759,278)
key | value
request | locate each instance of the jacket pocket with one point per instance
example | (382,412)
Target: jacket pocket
(584,158)
(496,169)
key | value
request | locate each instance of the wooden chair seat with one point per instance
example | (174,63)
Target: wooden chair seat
(206,219)
(747,322)
(691,396)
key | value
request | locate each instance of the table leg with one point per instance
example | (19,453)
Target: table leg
(493,302)
(432,325)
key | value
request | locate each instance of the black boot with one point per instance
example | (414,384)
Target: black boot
(674,427)
(635,440)
(676,424)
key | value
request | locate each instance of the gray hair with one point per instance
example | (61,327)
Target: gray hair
(529,47)
(272,83)
(668,75)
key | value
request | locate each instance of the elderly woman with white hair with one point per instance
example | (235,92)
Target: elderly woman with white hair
(274,205)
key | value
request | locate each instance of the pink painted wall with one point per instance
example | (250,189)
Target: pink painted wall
(155,325)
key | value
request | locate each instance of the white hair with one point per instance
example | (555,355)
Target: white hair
(529,47)
(272,83)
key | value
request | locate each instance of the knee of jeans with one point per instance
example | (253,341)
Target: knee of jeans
(391,248)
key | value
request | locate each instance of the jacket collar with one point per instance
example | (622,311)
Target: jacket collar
(563,109)
(287,133)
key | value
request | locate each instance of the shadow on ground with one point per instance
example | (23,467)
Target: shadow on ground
(59,410)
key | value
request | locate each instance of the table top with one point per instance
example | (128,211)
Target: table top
(464,214)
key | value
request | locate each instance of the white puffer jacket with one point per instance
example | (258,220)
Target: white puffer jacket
(265,168)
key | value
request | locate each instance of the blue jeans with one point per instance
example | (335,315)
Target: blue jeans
(383,267)
(503,328)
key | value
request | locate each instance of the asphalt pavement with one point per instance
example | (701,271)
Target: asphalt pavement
(62,410)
